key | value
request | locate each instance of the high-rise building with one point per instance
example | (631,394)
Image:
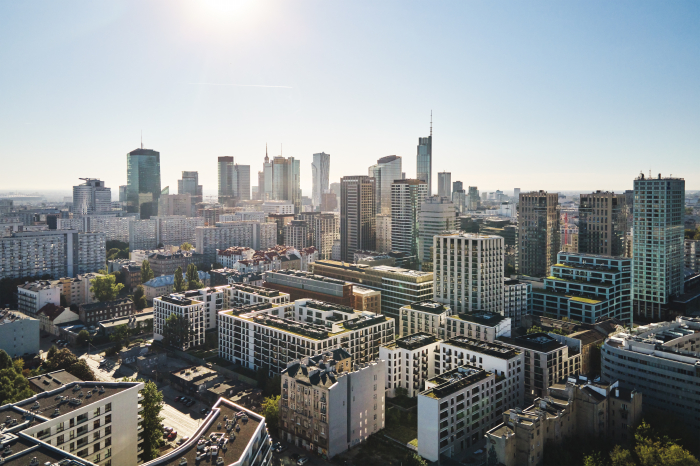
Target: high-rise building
(122,194)
(329,202)
(437,215)
(91,197)
(538,232)
(143,182)
(225,179)
(298,234)
(516,194)
(692,254)
(383,233)
(189,184)
(424,159)
(286,181)
(474,201)
(251,234)
(357,215)
(385,172)
(241,182)
(468,271)
(176,204)
(184,307)
(457,186)
(445,185)
(319,176)
(658,244)
(265,182)
(326,231)
(406,199)
(602,224)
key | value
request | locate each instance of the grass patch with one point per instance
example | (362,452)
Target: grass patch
(402,426)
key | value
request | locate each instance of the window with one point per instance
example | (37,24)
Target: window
(108,419)
(59,440)
(108,407)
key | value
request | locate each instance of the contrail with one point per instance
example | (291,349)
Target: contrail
(241,85)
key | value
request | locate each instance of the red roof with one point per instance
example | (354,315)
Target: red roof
(51,311)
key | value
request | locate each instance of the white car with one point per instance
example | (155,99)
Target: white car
(302,460)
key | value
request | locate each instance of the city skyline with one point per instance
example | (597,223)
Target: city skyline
(610,84)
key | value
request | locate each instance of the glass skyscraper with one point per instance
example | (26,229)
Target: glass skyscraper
(225,170)
(319,176)
(385,172)
(424,169)
(143,182)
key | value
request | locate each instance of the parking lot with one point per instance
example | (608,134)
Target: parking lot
(290,455)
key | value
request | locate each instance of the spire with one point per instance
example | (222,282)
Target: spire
(141,139)
(267,159)
(431,123)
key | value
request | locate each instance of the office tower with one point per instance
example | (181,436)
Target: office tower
(143,182)
(329,202)
(473,200)
(437,215)
(383,233)
(225,179)
(176,204)
(658,244)
(460,199)
(241,182)
(260,195)
(602,224)
(189,184)
(319,176)
(457,186)
(357,215)
(326,231)
(538,232)
(91,197)
(445,184)
(286,181)
(266,191)
(406,199)
(298,234)
(424,159)
(335,188)
(122,194)
(516,194)
(468,271)
(385,171)
(254,192)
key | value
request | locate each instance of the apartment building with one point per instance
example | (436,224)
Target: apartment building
(19,333)
(78,423)
(425,316)
(178,304)
(326,229)
(143,234)
(455,410)
(278,207)
(468,271)
(517,300)
(383,232)
(437,215)
(114,228)
(177,204)
(692,254)
(406,199)
(173,230)
(164,262)
(483,326)
(298,234)
(399,287)
(367,300)
(256,235)
(270,335)
(77,290)
(94,313)
(329,405)
(51,316)
(91,197)
(33,296)
(547,361)
(300,285)
(575,408)
(603,223)
(660,360)
(538,232)
(410,362)
(586,288)
(57,253)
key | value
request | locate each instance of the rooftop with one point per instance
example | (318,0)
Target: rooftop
(451,381)
(71,396)
(496,349)
(430,306)
(541,342)
(413,341)
(50,381)
(483,318)
(177,299)
(106,304)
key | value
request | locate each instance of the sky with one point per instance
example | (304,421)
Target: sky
(575,95)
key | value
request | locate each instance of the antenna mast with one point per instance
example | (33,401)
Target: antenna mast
(431,123)
(141,139)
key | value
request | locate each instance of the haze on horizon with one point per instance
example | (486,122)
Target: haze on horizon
(572,96)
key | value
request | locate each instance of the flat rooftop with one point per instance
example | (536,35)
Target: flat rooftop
(495,349)
(482,318)
(413,341)
(72,396)
(452,381)
(541,342)
(51,381)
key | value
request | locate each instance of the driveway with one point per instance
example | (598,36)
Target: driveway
(178,416)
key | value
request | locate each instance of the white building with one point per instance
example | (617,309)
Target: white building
(175,230)
(114,228)
(278,207)
(91,197)
(76,290)
(178,304)
(143,234)
(33,296)
(75,223)
(295,330)
(19,333)
(326,231)
(437,215)
(176,204)
(244,216)
(410,362)
(468,271)
(319,177)
(483,326)
(256,235)
(425,316)
(384,233)
(327,405)
(230,256)
(692,254)
(52,316)
(517,300)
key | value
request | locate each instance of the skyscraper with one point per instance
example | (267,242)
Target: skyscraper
(406,199)
(473,200)
(602,224)
(143,182)
(225,179)
(437,215)
(516,194)
(265,188)
(358,210)
(385,172)
(319,176)
(657,260)
(91,197)
(286,181)
(189,184)
(241,182)
(445,184)
(424,169)
(538,232)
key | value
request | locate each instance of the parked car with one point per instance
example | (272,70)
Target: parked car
(281,448)
(190,403)
(303,460)
(172,435)
(178,398)
(184,399)
(182,440)
(204,411)
(167,430)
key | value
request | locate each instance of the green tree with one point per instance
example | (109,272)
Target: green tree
(193,282)
(151,420)
(186,246)
(538,329)
(140,298)
(105,288)
(178,281)
(83,338)
(13,385)
(413,459)
(66,360)
(120,336)
(146,271)
(621,457)
(271,411)
(594,459)
(177,331)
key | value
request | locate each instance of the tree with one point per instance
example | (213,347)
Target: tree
(66,360)
(413,459)
(177,331)
(271,411)
(83,338)
(493,456)
(186,247)
(120,336)
(594,459)
(510,270)
(178,281)
(193,282)
(538,329)
(140,298)
(105,288)
(14,386)
(621,457)
(63,301)
(146,271)
(151,420)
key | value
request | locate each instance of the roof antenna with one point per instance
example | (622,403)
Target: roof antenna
(431,123)
(141,139)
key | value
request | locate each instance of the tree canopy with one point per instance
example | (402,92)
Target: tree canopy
(177,331)
(151,420)
(271,411)
(193,282)
(83,338)
(186,246)
(105,288)
(120,336)
(65,359)
(13,385)
(140,298)
(179,281)
(146,271)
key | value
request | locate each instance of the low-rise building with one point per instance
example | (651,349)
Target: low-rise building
(132,275)
(425,316)
(455,411)
(77,290)
(328,404)
(19,333)
(51,316)
(178,304)
(92,314)
(141,320)
(164,285)
(484,326)
(367,300)
(410,361)
(305,285)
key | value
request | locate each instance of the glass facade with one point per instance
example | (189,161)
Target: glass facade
(225,178)
(143,182)
(424,170)
(385,172)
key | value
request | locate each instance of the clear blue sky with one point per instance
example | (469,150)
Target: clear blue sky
(538,95)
